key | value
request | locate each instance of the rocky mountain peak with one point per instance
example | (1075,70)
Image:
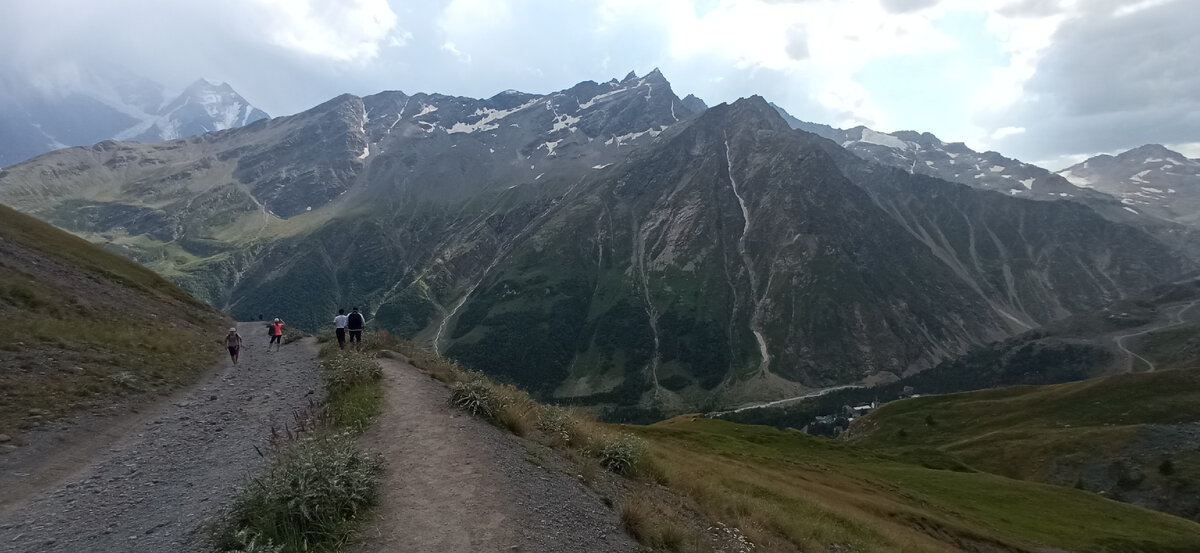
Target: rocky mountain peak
(1149,180)
(925,153)
(753,111)
(110,102)
(1152,153)
(693,103)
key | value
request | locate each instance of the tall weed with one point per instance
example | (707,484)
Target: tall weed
(310,496)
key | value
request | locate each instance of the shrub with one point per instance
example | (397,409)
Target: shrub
(345,369)
(293,334)
(477,397)
(310,495)
(559,424)
(622,453)
(1166,467)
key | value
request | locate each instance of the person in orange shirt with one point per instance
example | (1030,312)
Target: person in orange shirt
(276,332)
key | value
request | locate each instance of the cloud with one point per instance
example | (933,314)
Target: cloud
(1079,75)
(1109,82)
(341,30)
(1003,132)
(1030,8)
(906,6)
(797,43)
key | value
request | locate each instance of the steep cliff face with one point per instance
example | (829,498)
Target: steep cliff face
(729,258)
(605,244)
(1034,261)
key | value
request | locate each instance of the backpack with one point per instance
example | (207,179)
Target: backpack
(270,330)
(354,321)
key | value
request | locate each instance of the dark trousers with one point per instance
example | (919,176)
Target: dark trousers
(341,335)
(356,336)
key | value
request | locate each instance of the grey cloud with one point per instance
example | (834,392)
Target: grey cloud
(1110,83)
(1031,8)
(905,6)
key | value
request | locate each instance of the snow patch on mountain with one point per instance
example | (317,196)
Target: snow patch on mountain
(1075,179)
(487,117)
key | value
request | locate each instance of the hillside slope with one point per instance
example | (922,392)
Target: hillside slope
(81,327)
(824,495)
(1134,437)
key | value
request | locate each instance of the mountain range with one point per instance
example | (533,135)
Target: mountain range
(1150,179)
(108,102)
(610,243)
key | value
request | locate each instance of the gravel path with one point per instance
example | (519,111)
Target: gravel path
(454,483)
(164,483)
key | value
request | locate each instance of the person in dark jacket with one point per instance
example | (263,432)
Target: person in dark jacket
(355,322)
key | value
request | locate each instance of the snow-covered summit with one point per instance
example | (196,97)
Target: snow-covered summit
(103,101)
(926,154)
(1150,179)
(204,106)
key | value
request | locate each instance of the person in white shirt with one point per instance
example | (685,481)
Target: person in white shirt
(339,325)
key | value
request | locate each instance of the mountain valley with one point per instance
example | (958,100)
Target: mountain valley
(605,244)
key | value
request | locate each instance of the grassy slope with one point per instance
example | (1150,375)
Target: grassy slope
(1014,431)
(825,495)
(787,491)
(82,327)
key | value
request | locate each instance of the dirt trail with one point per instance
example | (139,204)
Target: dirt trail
(157,481)
(1175,319)
(457,484)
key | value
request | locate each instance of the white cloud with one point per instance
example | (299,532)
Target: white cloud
(340,30)
(820,59)
(1006,131)
(1189,149)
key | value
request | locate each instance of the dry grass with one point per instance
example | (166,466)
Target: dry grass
(790,492)
(656,524)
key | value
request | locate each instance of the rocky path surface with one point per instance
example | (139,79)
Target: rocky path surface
(454,483)
(164,481)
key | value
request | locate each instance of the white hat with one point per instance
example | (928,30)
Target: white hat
(234,329)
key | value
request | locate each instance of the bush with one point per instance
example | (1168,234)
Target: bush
(1166,467)
(477,397)
(309,497)
(622,453)
(293,334)
(559,424)
(345,369)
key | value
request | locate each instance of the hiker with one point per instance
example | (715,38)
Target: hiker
(355,323)
(233,341)
(339,326)
(276,332)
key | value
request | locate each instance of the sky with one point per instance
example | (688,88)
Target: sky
(1046,81)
